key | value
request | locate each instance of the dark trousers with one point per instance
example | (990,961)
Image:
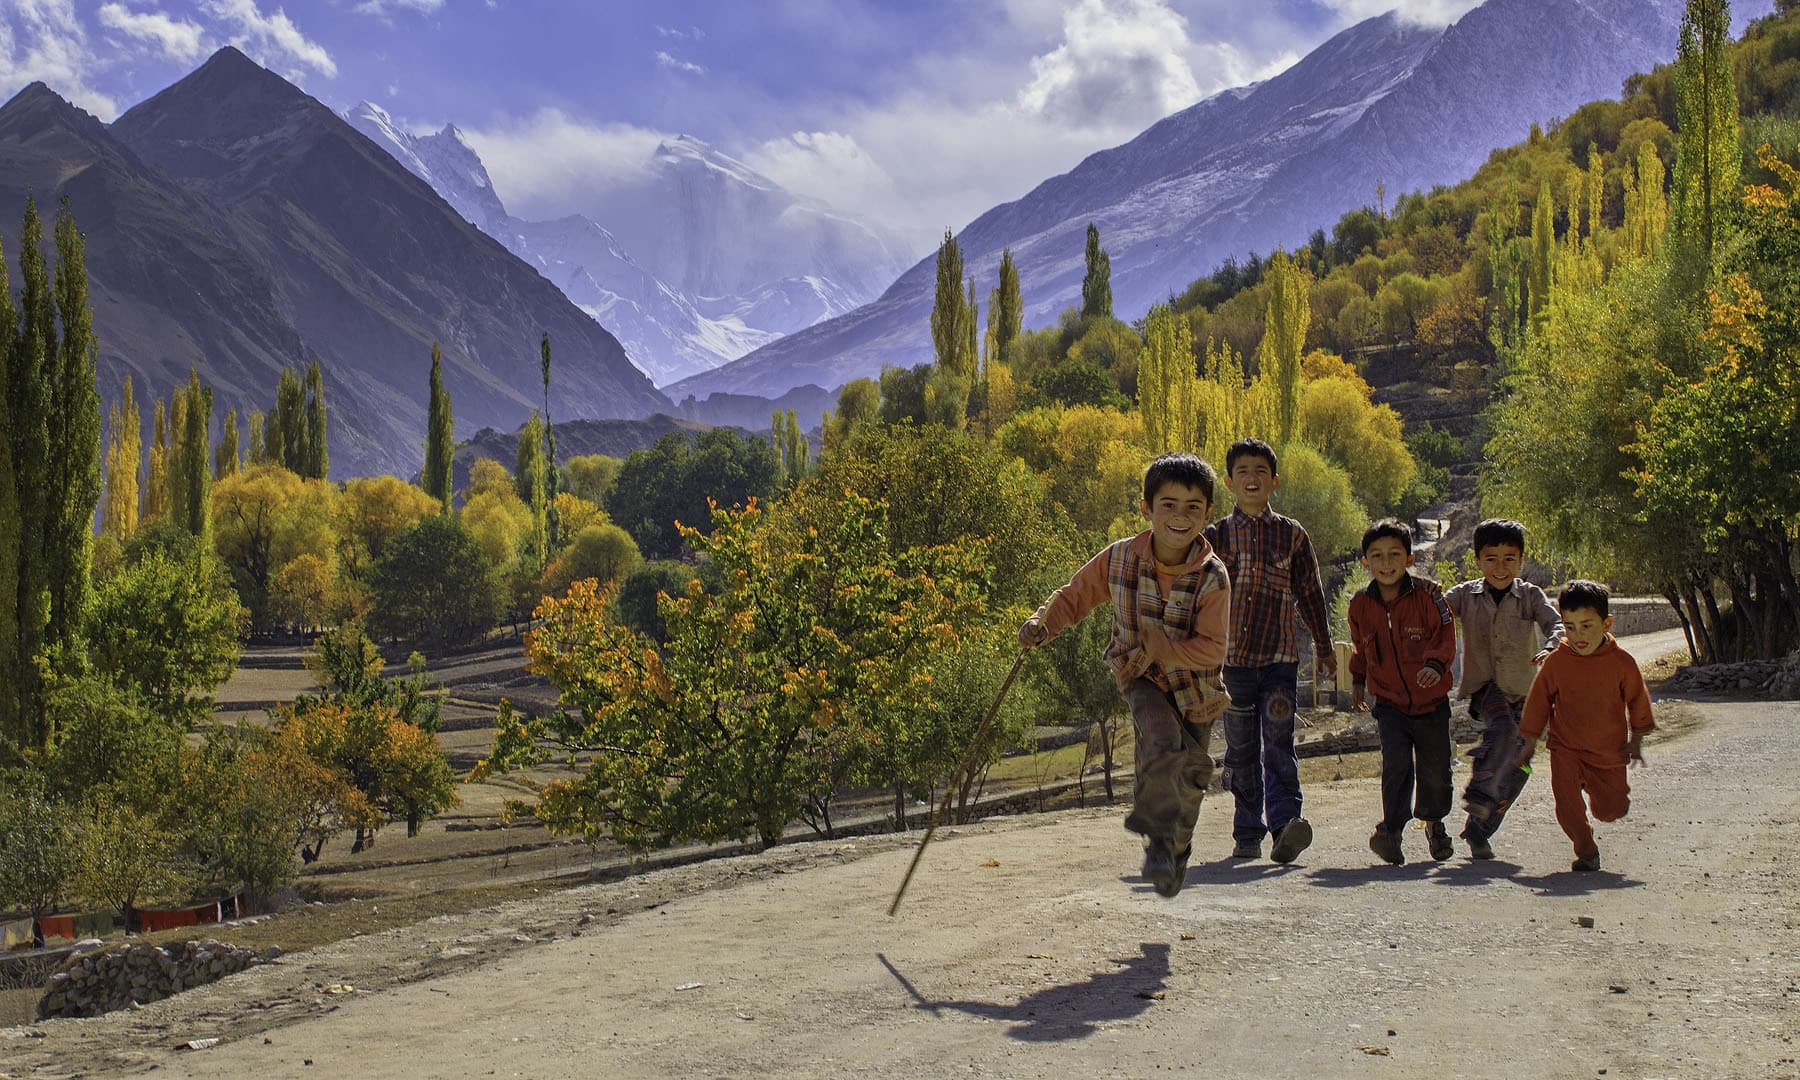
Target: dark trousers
(1172,767)
(1497,780)
(1260,765)
(1415,765)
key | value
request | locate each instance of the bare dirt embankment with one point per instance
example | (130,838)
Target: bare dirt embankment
(1029,947)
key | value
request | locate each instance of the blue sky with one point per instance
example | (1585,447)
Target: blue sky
(919,114)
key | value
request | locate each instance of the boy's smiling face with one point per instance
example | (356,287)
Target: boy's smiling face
(1499,565)
(1253,482)
(1177,514)
(1387,559)
(1585,629)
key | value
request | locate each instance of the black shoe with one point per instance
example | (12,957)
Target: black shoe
(1439,841)
(1294,838)
(1479,849)
(1161,867)
(1247,849)
(1587,863)
(1479,806)
(1387,845)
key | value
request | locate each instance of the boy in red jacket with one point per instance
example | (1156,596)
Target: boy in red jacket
(1592,697)
(1405,640)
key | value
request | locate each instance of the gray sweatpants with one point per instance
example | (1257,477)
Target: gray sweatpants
(1172,767)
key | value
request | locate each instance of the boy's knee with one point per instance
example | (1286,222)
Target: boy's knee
(1612,811)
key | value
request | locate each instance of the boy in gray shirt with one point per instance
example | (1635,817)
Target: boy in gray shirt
(1508,627)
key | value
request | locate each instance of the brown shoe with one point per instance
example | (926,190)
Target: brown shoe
(1294,838)
(1387,845)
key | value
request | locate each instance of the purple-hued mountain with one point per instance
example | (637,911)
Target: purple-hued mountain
(1385,102)
(235,223)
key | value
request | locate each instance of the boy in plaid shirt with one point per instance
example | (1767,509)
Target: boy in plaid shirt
(1273,571)
(1170,598)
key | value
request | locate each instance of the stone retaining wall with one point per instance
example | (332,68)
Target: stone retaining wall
(1775,679)
(102,980)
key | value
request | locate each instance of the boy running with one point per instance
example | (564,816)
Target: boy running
(1273,571)
(1170,599)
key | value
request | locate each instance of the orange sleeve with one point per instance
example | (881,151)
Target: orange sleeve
(1085,591)
(1637,697)
(1536,716)
(1206,649)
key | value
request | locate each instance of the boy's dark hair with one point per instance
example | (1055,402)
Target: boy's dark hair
(1499,531)
(1251,448)
(1179,468)
(1582,593)
(1393,527)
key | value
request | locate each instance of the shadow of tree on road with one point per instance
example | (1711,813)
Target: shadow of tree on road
(1072,1011)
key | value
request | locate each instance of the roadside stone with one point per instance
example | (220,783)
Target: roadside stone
(130,976)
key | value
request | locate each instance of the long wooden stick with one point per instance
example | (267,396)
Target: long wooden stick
(968,762)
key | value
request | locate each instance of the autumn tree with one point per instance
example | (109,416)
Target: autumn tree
(123,456)
(1167,388)
(1096,284)
(1008,308)
(317,462)
(1284,339)
(226,457)
(440,437)
(169,629)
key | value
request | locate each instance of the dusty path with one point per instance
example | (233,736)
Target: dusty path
(1058,961)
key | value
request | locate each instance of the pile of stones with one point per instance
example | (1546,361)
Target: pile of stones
(92,983)
(1776,679)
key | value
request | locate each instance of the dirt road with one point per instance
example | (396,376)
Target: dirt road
(1028,947)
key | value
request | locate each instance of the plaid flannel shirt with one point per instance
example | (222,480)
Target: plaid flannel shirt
(1131,578)
(1273,572)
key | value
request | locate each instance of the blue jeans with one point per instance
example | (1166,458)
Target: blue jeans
(1262,769)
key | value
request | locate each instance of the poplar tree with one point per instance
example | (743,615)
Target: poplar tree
(1011,313)
(29,336)
(1288,316)
(1168,392)
(529,482)
(1096,286)
(256,453)
(318,455)
(74,431)
(289,421)
(195,467)
(552,519)
(1706,111)
(225,458)
(791,448)
(969,359)
(439,434)
(1646,205)
(948,331)
(175,477)
(1543,249)
(11,731)
(123,455)
(156,481)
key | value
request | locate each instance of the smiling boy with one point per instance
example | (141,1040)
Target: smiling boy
(1405,639)
(1170,599)
(1508,627)
(1591,696)
(1273,571)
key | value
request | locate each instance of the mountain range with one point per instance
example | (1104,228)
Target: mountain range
(235,223)
(726,259)
(1385,103)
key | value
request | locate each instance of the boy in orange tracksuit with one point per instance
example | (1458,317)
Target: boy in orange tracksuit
(1591,696)
(1405,641)
(1171,602)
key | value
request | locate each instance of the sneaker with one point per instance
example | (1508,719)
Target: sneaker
(1247,849)
(1479,806)
(1387,845)
(1291,841)
(1480,849)
(1160,868)
(1587,863)
(1439,840)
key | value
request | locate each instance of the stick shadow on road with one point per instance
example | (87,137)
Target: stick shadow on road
(1070,1011)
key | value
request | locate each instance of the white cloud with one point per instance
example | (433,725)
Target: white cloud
(176,39)
(42,40)
(553,164)
(385,8)
(270,37)
(1428,12)
(678,64)
(692,33)
(1120,61)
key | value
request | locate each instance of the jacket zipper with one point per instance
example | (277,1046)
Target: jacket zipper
(1398,667)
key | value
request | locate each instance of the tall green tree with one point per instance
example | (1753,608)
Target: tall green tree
(124,451)
(949,313)
(75,434)
(11,535)
(1010,319)
(1543,249)
(256,453)
(530,481)
(440,435)
(289,421)
(175,477)
(225,458)
(1096,285)
(156,477)
(1707,155)
(318,453)
(30,339)
(195,466)
(1168,392)
(1288,316)
(552,481)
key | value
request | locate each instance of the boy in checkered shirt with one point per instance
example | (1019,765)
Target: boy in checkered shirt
(1170,599)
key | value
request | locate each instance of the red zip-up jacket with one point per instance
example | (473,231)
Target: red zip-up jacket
(1394,642)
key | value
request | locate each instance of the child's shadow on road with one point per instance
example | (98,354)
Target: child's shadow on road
(1071,1011)
(1574,883)
(1354,877)
(1476,872)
